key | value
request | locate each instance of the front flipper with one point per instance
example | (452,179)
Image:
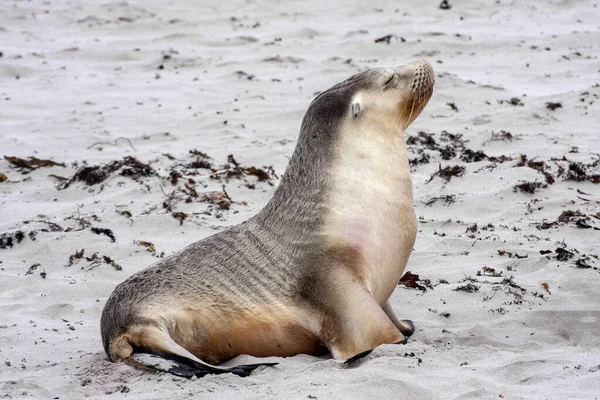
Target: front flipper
(405,326)
(357,324)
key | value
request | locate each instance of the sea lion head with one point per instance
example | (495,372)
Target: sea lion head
(384,99)
(395,95)
(377,104)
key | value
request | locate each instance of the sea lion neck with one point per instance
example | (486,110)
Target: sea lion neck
(297,204)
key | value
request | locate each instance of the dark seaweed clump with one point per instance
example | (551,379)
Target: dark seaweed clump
(469,288)
(129,167)
(8,240)
(540,166)
(449,146)
(448,172)
(106,232)
(469,156)
(202,160)
(579,172)
(233,169)
(529,187)
(563,254)
(553,106)
(32,163)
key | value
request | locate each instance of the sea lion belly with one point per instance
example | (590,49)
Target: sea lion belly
(216,335)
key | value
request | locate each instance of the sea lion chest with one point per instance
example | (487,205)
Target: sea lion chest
(371,210)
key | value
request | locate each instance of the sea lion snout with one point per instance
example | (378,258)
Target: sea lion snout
(416,89)
(423,78)
(417,76)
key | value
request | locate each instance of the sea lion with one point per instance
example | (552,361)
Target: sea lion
(313,270)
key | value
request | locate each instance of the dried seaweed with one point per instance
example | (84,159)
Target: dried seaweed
(32,268)
(529,187)
(423,139)
(129,167)
(150,248)
(540,166)
(445,5)
(106,232)
(180,216)
(94,260)
(175,175)
(470,156)
(469,288)
(233,169)
(513,101)
(564,254)
(32,163)
(448,172)
(553,106)
(220,199)
(75,256)
(411,280)
(511,254)
(447,199)
(125,213)
(579,172)
(385,39)
(582,263)
(546,287)
(423,159)
(452,106)
(8,240)
(489,271)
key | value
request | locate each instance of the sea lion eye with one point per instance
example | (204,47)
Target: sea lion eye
(355,109)
(389,80)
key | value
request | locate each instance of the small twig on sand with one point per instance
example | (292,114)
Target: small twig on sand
(113,144)
(227,194)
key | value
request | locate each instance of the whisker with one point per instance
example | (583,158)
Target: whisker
(412,108)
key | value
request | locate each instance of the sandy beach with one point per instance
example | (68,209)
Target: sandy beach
(164,97)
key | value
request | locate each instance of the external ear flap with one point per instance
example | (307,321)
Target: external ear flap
(355,109)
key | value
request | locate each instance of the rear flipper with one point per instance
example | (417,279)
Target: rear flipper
(150,348)
(187,368)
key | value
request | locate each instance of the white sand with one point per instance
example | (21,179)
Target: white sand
(87,74)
